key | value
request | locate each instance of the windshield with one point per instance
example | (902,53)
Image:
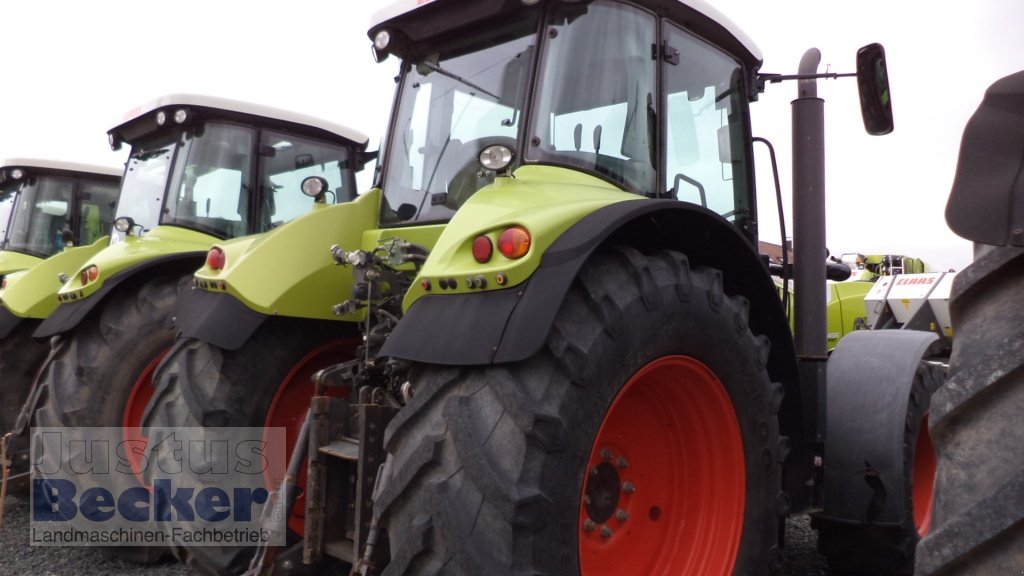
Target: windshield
(453,104)
(8,196)
(287,160)
(705,119)
(42,212)
(145,183)
(598,107)
(96,203)
(212,189)
(597,94)
(211,170)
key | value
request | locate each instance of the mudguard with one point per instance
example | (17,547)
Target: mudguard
(220,319)
(511,325)
(988,189)
(870,376)
(8,322)
(11,261)
(68,315)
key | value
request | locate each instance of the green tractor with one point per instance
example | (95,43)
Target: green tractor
(573,359)
(45,205)
(870,267)
(53,216)
(201,170)
(851,279)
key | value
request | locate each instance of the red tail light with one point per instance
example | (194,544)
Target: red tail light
(90,274)
(215,259)
(514,242)
(482,249)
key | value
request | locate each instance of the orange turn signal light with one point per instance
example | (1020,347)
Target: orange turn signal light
(514,242)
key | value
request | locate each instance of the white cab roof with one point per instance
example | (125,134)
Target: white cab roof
(244,108)
(402,6)
(62,165)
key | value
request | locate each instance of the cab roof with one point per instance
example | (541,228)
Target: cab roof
(214,106)
(696,14)
(61,166)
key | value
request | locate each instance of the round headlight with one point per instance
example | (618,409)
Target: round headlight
(17,173)
(381,40)
(314,186)
(123,224)
(496,157)
(180,116)
(161,118)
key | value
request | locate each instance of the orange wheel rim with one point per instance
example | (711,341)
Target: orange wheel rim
(665,487)
(131,420)
(923,483)
(291,403)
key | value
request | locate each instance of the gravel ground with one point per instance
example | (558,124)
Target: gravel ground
(17,558)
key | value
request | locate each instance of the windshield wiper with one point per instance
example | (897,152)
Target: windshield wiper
(457,78)
(144,155)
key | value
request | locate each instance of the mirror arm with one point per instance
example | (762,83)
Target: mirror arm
(763,79)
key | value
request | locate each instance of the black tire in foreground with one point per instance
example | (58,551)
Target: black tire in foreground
(20,359)
(102,374)
(641,439)
(978,520)
(266,382)
(873,550)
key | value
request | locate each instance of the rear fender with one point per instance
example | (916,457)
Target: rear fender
(511,325)
(289,271)
(870,377)
(11,261)
(68,315)
(218,319)
(32,293)
(984,204)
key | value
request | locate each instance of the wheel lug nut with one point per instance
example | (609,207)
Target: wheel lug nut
(622,462)
(606,455)
(606,532)
(589,525)
(594,471)
(621,515)
(628,487)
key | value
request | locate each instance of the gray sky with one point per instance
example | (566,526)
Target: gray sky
(71,70)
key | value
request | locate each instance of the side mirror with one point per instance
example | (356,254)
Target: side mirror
(873,84)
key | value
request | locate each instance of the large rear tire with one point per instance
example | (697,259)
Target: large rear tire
(978,518)
(266,382)
(102,374)
(642,439)
(20,358)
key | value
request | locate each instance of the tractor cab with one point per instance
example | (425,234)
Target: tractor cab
(203,169)
(226,168)
(47,206)
(621,91)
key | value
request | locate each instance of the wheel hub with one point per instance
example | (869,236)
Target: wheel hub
(602,493)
